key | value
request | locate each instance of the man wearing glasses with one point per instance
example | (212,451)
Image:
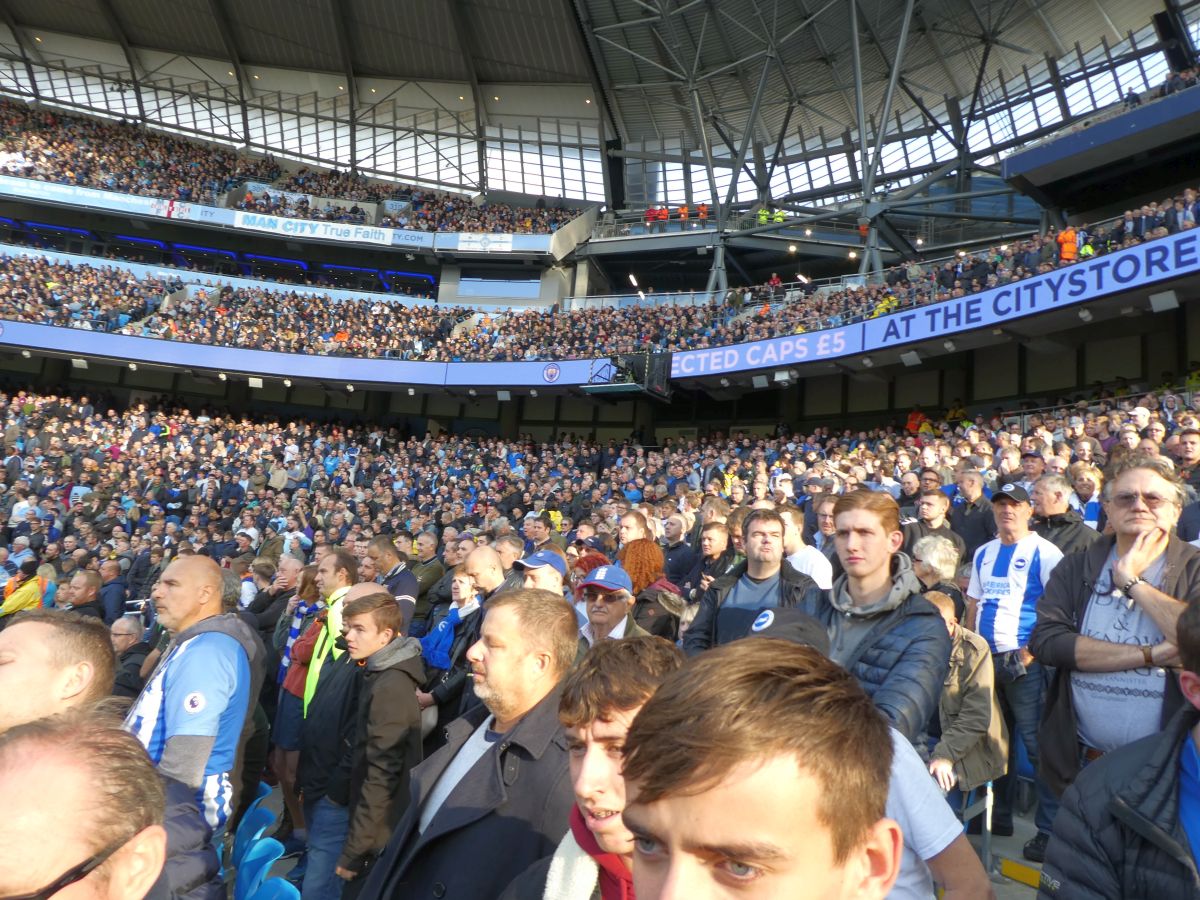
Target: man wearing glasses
(608,601)
(107,845)
(1107,624)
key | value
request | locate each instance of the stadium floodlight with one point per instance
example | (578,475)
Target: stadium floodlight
(349,389)
(808,232)
(854,254)
(412,392)
(633,279)
(133,367)
(533,393)
(949,345)
(26,354)
(920,241)
(867,362)
(1085,315)
(791,248)
(287,382)
(223,376)
(724,382)
(472,391)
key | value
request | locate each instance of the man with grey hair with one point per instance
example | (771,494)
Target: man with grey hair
(1106,625)
(1054,519)
(126,634)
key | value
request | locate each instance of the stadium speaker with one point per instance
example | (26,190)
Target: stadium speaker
(911,358)
(503,396)
(759,381)
(1164,302)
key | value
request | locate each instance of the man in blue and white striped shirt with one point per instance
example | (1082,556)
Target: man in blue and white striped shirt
(193,710)
(1008,577)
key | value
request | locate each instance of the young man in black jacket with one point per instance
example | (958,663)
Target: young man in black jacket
(387,730)
(1129,826)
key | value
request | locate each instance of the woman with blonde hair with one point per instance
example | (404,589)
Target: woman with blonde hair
(1088,482)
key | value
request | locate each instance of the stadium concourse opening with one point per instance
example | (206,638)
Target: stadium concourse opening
(614,448)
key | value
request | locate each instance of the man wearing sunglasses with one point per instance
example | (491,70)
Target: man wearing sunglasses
(60,836)
(1107,624)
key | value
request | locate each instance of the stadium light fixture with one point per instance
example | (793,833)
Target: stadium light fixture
(867,362)
(26,354)
(374,90)
(472,391)
(1085,315)
(1004,248)
(38,39)
(633,279)
(349,389)
(962,253)
(287,382)
(949,345)
(461,97)
(496,98)
(230,73)
(808,232)
(791,248)
(255,382)
(920,241)
(533,393)
(341,87)
(223,377)
(725,382)
(588,101)
(133,367)
(802,278)
(411,392)
(257,77)
(854,254)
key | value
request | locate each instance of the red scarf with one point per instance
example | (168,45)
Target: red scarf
(616,880)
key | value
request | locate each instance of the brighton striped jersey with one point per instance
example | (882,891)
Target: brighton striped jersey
(1008,580)
(201,689)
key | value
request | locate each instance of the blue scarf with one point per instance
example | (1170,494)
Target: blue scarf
(294,632)
(435,646)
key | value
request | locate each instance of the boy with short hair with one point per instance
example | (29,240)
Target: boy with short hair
(786,783)
(600,699)
(387,735)
(361,738)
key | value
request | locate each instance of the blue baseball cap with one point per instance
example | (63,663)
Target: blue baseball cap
(611,578)
(543,558)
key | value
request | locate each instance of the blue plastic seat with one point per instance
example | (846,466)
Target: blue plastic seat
(253,869)
(253,825)
(276,889)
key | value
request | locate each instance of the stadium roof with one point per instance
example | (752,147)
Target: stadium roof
(645,56)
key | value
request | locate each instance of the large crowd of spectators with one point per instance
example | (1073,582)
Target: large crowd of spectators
(279,319)
(345,185)
(445,212)
(293,322)
(48,145)
(95,298)
(281,205)
(938,559)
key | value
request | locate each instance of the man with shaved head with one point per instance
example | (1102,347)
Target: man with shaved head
(198,702)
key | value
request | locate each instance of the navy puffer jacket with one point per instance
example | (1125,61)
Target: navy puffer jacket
(903,659)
